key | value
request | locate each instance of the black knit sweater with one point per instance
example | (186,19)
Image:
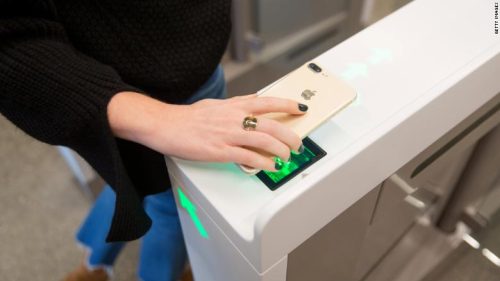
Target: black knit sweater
(61,61)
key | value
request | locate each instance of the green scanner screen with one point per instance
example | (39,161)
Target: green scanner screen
(298,163)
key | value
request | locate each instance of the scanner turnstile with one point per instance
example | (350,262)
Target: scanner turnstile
(417,80)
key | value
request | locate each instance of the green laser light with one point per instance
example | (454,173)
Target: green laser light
(298,162)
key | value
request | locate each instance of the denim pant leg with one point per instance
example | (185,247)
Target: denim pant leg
(93,231)
(163,254)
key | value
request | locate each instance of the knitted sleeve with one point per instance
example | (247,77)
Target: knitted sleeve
(60,96)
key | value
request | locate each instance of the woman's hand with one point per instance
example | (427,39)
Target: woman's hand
(208,130)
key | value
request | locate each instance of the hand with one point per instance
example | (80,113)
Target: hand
(208,130)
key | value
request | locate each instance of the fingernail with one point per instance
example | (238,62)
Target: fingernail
(301,148)
(278,166)
(278,163)
(303,107)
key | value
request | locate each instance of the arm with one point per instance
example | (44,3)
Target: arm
(60,96)
(49,89)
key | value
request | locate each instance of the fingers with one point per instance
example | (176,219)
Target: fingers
(263,105)
(250,158)
(256,148)
(280,132)
(263,143)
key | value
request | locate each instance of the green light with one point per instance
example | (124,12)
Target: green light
(380,55)
(191,209)
(355,70)
(358,69)
(296,161)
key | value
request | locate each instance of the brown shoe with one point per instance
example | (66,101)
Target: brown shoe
(187,275)
(82,273)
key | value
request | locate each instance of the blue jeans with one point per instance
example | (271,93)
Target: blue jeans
(163,253)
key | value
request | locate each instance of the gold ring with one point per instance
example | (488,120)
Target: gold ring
(250,123)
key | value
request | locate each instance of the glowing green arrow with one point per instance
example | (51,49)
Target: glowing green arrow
(191,209)
(354,70)
(379,55)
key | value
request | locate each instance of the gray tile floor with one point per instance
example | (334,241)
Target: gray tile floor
(40,210)
(466,263)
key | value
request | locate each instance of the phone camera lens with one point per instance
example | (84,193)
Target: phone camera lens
(315,67)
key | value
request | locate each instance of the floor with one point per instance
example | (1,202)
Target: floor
(41,207)
(467,263)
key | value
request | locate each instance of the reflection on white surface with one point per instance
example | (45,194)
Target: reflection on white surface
(491,257)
